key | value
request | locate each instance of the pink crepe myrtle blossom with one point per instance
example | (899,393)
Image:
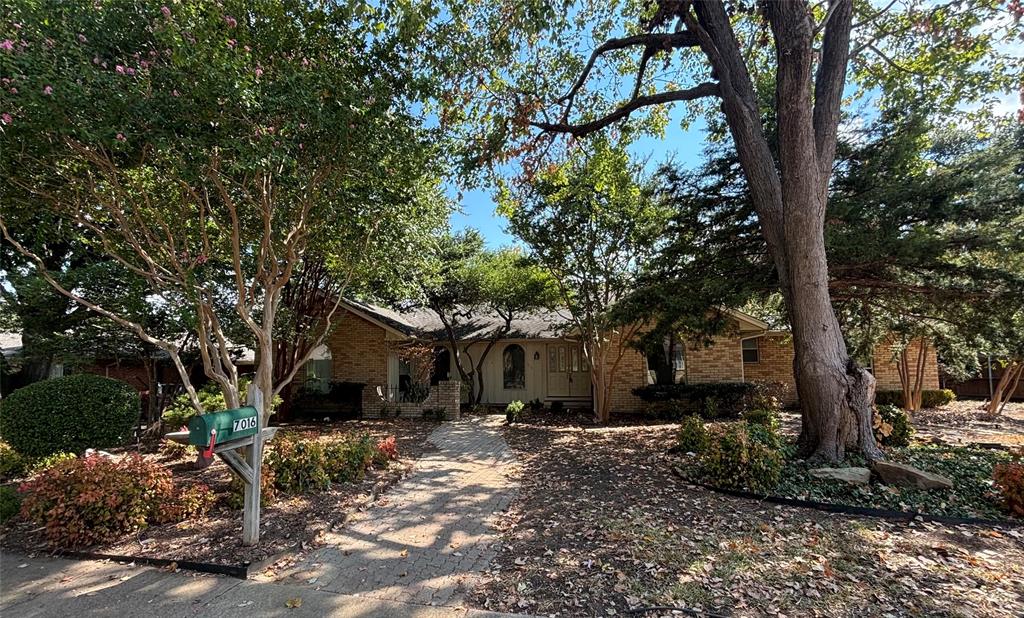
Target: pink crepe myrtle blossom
(230,21)
(48,90)
(129,70)
(7,45)
(232,43)
(14,90)
(119,69)
(7,118)
(174,93)
(258,72)
(166,11)
(121,138)
(82,39)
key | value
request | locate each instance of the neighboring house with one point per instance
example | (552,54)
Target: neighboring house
(536,360)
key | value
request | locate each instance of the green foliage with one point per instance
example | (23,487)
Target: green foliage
(929,398)
(671,410)
(268,489)
(45,463)
(1008,478)
(299,463)
(211,397)
(302,463)
(971,470)
(692,436)
(514,411)
(763,426)
(710,400)
(10,503)
(732,460)
(69,414)
(93,499)
(892,426)
(12,464)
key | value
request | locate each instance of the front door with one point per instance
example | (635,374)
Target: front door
(568,371)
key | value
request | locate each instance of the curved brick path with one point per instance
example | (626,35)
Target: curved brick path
(430,535)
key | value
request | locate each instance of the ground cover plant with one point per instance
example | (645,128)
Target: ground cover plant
(752,455)
(585,540)
(295,513)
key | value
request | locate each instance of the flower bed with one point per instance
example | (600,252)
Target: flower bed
(291,520)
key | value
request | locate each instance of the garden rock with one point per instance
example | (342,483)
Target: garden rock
(909,476)
(854,475)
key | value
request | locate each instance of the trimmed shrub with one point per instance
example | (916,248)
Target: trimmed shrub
(72,414)
(1008,478)
(349,459)
(711,401)
(937,398)
(44,464)
(12,464)
(386,450)
(732,460)
(929,398)
(93,499)
(672,410)
(763,426)
(433,414)
(892,426)
(299,462)
(268,489)
(10,503)
(692,436)
(189,502)
(514,411)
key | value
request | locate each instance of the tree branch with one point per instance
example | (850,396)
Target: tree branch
(706,89)
(829,82)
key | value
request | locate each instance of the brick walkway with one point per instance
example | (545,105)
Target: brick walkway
(428,537)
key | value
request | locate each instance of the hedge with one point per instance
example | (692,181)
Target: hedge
(69,414)
(929,398)
(711,400)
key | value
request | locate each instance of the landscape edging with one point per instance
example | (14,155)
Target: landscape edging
(231,570)
(847,509)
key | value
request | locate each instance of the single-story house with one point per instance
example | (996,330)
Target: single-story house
(537,360)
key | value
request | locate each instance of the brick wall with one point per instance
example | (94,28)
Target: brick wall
(359,353)
(774,364)
(630,373)
(719,362)
(887,373)
(445,395)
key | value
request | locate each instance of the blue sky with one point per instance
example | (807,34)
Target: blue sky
(685,147)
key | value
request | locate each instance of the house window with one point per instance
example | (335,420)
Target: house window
(514,367)
(318,376)
(750,352)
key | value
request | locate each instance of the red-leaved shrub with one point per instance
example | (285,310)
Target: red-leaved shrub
(94,499)
(388,448)
(1009,479)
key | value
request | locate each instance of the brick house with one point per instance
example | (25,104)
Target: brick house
(539,361)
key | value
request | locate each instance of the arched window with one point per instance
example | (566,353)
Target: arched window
(514,367)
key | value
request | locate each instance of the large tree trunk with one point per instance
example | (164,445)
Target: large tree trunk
(790,197)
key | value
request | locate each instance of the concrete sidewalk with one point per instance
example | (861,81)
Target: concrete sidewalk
(44,586)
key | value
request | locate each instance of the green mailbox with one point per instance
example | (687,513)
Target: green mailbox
(209,430)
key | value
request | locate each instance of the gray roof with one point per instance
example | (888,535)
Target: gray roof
(423,323)
(10,343)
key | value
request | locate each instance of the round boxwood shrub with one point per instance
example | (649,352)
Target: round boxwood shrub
(69,414)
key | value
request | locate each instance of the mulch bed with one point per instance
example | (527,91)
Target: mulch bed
(603,526)
(292,523)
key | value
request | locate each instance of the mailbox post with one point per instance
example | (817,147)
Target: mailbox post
(224,434)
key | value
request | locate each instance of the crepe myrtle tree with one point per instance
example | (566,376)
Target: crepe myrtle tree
(463,282)
(210,148)
(716,57)
(594,223)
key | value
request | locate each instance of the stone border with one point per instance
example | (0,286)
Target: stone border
(846,509)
